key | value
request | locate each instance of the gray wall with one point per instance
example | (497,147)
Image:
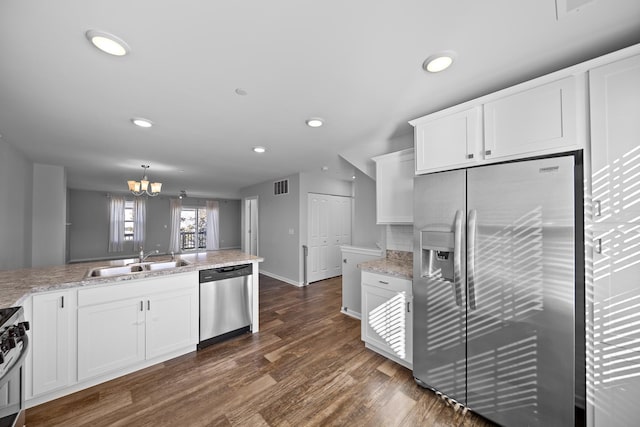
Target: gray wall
(49,215)
(276,215)
(282,252)
(16,198)
(89,229)
(365,231)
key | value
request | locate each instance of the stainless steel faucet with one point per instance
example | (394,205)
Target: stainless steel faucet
(144,256)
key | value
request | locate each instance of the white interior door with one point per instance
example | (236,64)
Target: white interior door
(340,229)
(318,225)
(329,227)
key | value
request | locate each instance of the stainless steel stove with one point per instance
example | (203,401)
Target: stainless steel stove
(14,344)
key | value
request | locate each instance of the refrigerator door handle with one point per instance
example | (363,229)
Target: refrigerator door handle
(457,259)
(471,257)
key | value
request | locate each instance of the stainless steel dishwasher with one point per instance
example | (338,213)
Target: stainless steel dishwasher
(225,303)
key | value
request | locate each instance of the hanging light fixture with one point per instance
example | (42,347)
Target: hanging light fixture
(138,188)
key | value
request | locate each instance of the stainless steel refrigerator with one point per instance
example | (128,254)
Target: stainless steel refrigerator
(498,289)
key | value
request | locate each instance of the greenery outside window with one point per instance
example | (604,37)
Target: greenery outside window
(193,228)
(128,220)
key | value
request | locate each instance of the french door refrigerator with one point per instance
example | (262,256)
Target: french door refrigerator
(498,289)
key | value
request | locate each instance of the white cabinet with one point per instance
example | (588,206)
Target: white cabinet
(121,325)
(519,122)
(351,276)
(387,321)
(615,141)
(51,340)
(448,142)
(394,187)
(532,121)
(615,163)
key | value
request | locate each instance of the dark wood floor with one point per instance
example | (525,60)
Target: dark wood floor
(306,366)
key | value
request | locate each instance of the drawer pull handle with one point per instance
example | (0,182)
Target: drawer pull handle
(383,282)
(141,305)
(62,301)
(408,307)
(469,156)
(487,153)
(148,304)
(598,208)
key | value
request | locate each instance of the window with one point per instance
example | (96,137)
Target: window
(128,220)
(193,228)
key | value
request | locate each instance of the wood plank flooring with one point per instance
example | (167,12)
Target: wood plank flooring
(306,367)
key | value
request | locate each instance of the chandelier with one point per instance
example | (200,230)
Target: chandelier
(138,188)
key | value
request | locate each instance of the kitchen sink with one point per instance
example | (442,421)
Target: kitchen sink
(135,268)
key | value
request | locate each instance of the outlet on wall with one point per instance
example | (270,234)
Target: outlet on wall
(291,231)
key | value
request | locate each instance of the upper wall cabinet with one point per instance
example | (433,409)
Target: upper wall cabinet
(524,121)
(452,141)
(535,120)
(394,187)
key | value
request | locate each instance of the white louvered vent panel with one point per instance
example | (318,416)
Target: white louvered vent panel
(281,187)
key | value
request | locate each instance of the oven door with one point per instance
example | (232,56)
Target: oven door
(12,389)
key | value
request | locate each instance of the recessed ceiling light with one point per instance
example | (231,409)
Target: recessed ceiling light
(259,149)
(439,62)
(108,43)
(325,168)
(314,122)
(353,177)
(241,91)
(143,123)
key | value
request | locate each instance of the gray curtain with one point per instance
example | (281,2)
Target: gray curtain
(212,225)
(139,216)
(176,210)
(116,224)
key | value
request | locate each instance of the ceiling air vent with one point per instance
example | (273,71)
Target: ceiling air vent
(281,187)
(566,7)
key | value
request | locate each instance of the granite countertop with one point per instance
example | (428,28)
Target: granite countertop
(396,263)
(16,285)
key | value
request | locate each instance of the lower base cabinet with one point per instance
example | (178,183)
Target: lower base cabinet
(134,323)
(387,320)
(50,344)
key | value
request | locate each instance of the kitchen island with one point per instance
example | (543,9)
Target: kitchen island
(87,330)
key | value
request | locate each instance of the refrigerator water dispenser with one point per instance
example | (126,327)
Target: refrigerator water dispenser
(437,254)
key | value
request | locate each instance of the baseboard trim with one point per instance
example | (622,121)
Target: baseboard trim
(352,313)
(283,279)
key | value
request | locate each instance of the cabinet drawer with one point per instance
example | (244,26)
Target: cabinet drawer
(387,282)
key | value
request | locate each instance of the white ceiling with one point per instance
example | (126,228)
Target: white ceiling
(355,63)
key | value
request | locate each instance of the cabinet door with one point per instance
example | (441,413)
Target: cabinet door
(50,341)
(172,322)
(394,187)
(615,141)
(617,386)
(110,337)
(449,142)
(384,320)
(542,119)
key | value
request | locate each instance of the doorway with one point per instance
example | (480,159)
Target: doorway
(251,225)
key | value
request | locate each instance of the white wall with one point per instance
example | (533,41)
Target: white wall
(16,192)
(49,215)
